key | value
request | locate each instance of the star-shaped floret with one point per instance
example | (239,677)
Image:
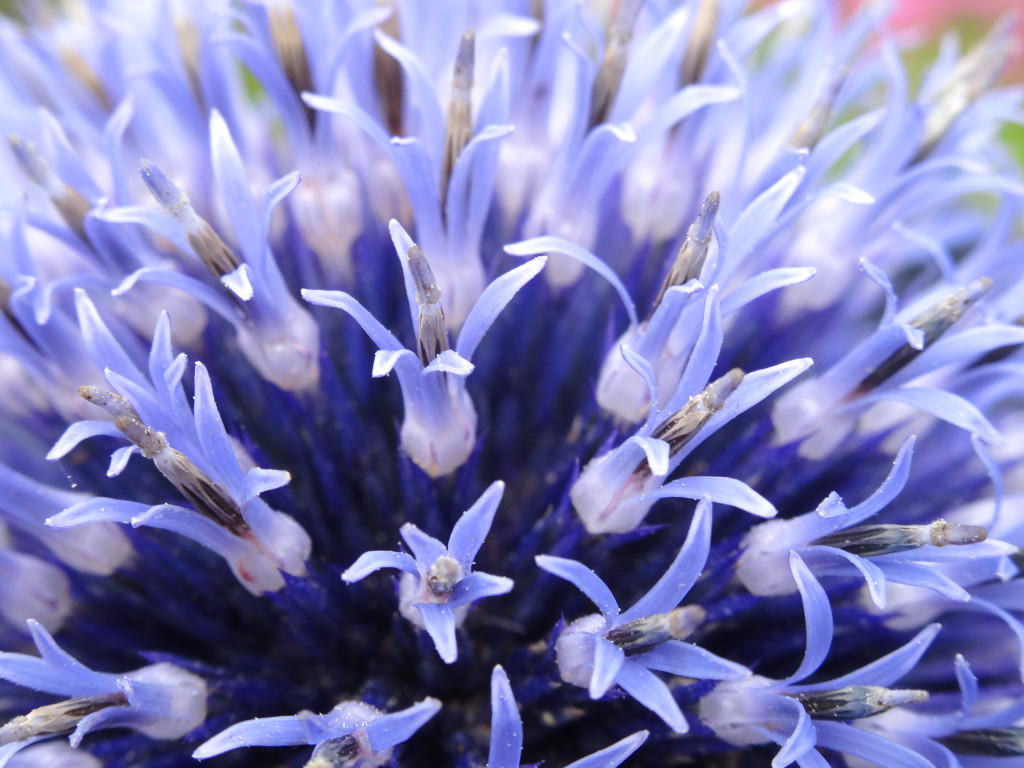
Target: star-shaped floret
(438,583)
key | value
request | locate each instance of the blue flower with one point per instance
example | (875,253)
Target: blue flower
(752,307)
(438,583)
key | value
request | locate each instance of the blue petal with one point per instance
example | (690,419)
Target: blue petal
(873,576)
(426,549)
(506,725)
(887,491)
(104,349)
(817,618)
(547,244)
(79,431)
(439,621)
(395,728)
(370,562)
(644,686)
(380,335)
(477,586)
(688,660)
(656,451)
(867,746)
(56,671)
(97,508)
(472,527)
(261,732)
(588,582)
(943,405)
(613,756)
(886,670)
(233,184)
(682,574)
(721,490)
(608,659)
(763,283)
(801,741)
(492,301)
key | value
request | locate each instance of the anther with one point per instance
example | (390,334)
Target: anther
(69,203)
(459,126)
(645,634)
(970,78)
(694,250)
(443,575)
(213,252)
(616,53)
(857,701)
(680,428)
(387,73)
(57,719)
(809,132)
(874,540)
(203,493)
(987,742)
(86,76)
(336,753)
(289,47)
(432,333)
(932,323)
(702,39)
(111,402)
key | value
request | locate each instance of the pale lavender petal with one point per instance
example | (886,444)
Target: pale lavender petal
(608,660)
(369,562)
(471,529)
(688,660)
(943,405)
(644,686)
(681,575)
(439,621)
(477,586)
(584,579)
(817,618)
(262,732)
(801,741)
(426,549)
(506,725)
(721,490)
(79,431)
(396,727)
(613,756)
(868,746)
(547,244)
(884,671)
(492,301)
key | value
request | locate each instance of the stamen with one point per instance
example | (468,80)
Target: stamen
(443,575)
(694,250)
(702,39)
(290,49)
(69,203)
(857,701)
(211,250)
(432,333)
(387,73)
(76,64)
(57,719)
(972,76)
(873,540)
(809,132)
(932,323)
(203,493)
(987,742)
(336,753)
(187,34)
(616,53)
(677,430)
(459,127)
(111,402)
(645,634)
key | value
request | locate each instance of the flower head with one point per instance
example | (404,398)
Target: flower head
(767,393)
